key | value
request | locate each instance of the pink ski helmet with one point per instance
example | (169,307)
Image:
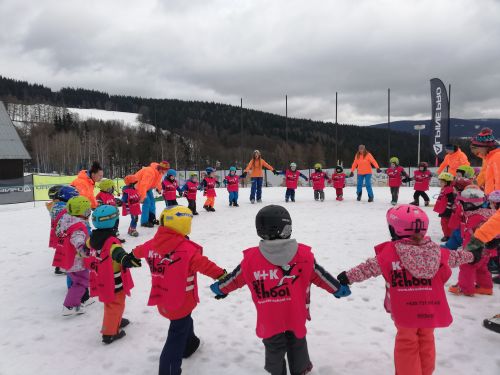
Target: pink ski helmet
(473,195)
(406,220)
(494,196)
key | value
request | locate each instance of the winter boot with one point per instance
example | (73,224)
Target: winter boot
(230,204)
(206,208)
(496,280)
(191,347)
(426,203)
(71,311)
(259,200)
(58,272)
(108,339)
(444,238)
(252,201)
(370,199)
(125,322)
(211,209)
(133,232)
(484,291)
(195,213)
(155,222)
(493,324)
(148,225)
(359,197)
(455,289)
(414,203)
(394,203)
(235,204)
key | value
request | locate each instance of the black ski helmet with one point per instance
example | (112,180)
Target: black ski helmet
(273,222)
(53,191)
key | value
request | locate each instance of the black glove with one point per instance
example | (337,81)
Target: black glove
(476,247)
(275,172)
(118,202)
(351,174)
(379,170)
(130,261)
(406,180)
(343,279)
(244,175)
(307,179)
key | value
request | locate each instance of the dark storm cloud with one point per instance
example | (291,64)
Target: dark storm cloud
(261,50)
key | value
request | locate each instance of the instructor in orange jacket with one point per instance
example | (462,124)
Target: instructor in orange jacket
(256,165)
(149,178)
(454,158)
(85,182)
(363,162)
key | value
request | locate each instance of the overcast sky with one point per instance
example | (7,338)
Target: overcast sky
(261,50)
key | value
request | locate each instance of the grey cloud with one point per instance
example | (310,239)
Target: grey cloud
(260,50)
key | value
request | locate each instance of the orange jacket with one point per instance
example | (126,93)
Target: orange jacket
(85,186)
(148,178)
(490,229)
(453,161)
(364,164)
(256,166)
(491,168)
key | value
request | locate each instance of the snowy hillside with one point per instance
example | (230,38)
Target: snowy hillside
(352,336)
(126,118)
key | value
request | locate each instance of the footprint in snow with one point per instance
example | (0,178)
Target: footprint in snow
(378,329)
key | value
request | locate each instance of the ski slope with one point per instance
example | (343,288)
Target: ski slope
(351,336)
(128,119)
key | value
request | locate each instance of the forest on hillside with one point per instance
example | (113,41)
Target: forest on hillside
(194,134)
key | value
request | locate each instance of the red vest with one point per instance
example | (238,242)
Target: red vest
(415,303)
(292,179)
(102,277)
(232,183)
(171,277)
(210,187)
(338,180)
(65,251)
(133,204)
(318,180)
(106,198)
(394,175)
(442,200)
(53,224)
(192,188)
(280,299)
(422,180)
(169,189)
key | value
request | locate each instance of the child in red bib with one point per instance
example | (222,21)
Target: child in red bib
(338,182)
(422,178)
(189,190)
(319,180)
(444,203)
(279,273)
(174,262)
(395,174)
(415,270)
(131,204)
(291,181)
(209,184)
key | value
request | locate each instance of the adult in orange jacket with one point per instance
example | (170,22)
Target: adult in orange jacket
(363,162)
(174,262)
(85,182)
(454,158)
(256,165)
(149,178)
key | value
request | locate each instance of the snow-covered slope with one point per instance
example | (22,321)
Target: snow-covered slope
(351,336)
(126,118)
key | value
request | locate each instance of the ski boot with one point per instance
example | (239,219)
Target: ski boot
(132,232)
(108,339)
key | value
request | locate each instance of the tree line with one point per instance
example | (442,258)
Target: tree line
(194,133)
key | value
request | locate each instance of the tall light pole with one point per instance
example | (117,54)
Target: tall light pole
(418,128)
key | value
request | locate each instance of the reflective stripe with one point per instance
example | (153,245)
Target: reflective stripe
(118,285)
(190,287)
(190,278)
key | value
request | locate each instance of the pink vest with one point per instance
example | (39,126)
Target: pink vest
(292,179)
(102,280)
(133,205)
(53,224)
(442,200)
(106,198)
(171,276)
(169,189)
(210,188)
(280,299)
(192,189)
(232,183)
(65,251)
(338,180)
(394,175)
(422,180)
(415,303)
(473,220)
(318,180)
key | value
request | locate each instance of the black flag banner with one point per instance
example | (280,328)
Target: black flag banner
(439,125)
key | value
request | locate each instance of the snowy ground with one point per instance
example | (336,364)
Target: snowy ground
(349,336)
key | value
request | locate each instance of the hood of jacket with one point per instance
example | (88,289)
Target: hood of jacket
(66,222)
(167,240)
(421,260)
(278,252)
(99,236)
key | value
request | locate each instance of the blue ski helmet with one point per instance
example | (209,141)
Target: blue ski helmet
(232,169)
(209,170)
(66,193)
(171,172)
(105,217)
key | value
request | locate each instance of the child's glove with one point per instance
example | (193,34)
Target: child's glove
(379,170)
(215,288)
(344,291)
(476,247)
(244,175)
(118,202)
(130,261)
(275,172)
(351,174)
(343,279)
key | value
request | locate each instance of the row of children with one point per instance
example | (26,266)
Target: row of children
(463,207)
